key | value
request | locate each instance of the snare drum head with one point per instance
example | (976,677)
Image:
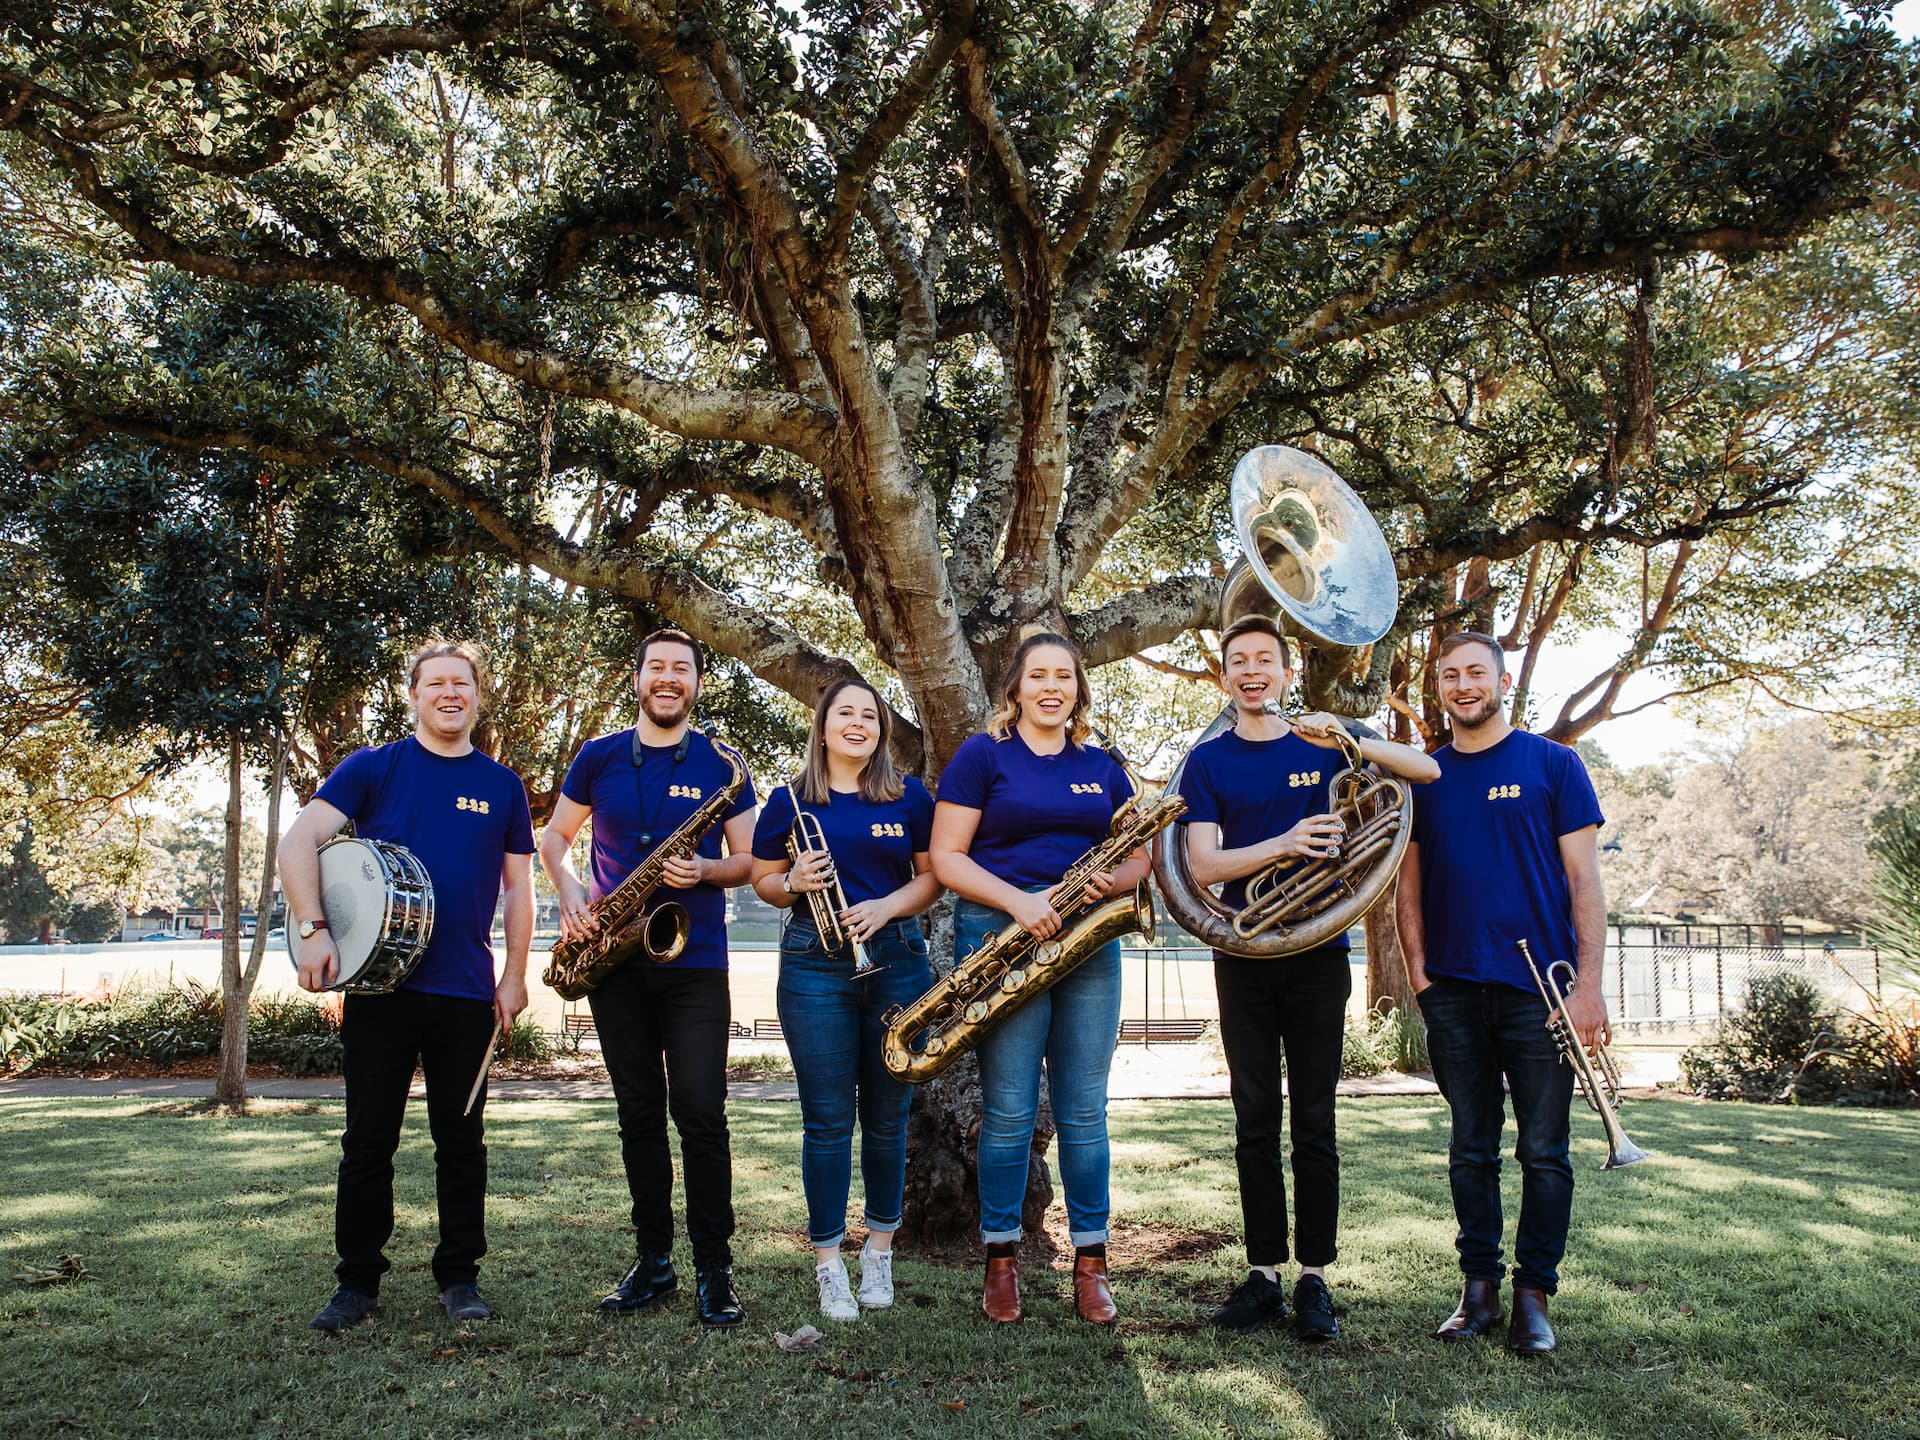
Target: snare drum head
(353,896)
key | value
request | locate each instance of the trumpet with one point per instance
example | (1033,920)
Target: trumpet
(1598,1075)
(803,835)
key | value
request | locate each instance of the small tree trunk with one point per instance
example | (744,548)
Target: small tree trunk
(1387,987)
(230,1086)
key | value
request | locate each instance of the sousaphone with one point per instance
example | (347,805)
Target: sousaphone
(1312,556)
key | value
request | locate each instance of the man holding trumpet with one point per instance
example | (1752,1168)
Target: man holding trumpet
(1503,851)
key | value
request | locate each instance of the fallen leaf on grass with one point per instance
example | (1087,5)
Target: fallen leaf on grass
(67,1267)
(954,1404)
(805,1338)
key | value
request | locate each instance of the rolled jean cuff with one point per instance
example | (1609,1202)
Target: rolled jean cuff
(1002,1237)
(829,1242)
(1081,1238)
(882,1227)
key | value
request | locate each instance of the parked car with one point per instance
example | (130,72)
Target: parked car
(214,934)
(158,935)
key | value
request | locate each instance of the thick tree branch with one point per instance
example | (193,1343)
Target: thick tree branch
(1149,616)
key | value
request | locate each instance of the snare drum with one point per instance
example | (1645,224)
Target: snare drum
(378,902)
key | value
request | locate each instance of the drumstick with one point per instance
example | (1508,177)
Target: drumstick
(485,1061)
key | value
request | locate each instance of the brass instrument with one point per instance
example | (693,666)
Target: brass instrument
(1598,1075)
(982,990)
(626,926)
(826,904)
(1310,549)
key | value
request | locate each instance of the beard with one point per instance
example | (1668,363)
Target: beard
(666,710)
(1471,717)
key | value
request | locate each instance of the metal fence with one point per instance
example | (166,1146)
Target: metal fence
(1688,975)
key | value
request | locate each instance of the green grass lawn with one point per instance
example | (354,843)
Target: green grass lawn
(1758,1277)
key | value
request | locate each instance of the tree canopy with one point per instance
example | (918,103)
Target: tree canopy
(958,310)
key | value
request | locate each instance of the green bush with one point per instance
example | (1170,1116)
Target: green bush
(163,1027)
(527,1041)
(1384,1040)
(1789,1045)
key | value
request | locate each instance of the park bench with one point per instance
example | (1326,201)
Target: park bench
(1162,1032)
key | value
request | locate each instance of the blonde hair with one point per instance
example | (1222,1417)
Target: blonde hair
(1079,728)
(471,651)
(880,782)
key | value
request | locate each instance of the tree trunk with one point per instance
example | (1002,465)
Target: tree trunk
(943,1136)
(1387,987)
(230,1086)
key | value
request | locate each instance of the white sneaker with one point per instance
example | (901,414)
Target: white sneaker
(876,1278)
(836,1295)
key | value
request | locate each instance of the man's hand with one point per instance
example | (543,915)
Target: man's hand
(1587,1010)
(1317,837)
(319,961)
(509,999)
(683,872)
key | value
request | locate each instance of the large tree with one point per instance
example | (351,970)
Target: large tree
(957,296)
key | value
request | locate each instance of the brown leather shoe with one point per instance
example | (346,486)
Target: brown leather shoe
(1000,1297)
(1529,1334)
(1477,1312)
(1092,1297)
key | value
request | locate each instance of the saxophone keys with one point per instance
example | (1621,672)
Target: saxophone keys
(977,1011)
(1013,980)
(1048,952)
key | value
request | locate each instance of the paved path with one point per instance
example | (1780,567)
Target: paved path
(1161,1072)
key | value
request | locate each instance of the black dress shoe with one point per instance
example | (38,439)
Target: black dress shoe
(1477,1313)
(1529,1334)
(649,1282)
(719,1306)
(345,1310)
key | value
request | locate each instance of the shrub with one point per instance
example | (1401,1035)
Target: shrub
(1384,1040)
(163,1027)
(527,1041)
(1788,1045)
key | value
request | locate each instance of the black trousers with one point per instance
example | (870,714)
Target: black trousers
(1297,1007)
(663,1032)
(384,1037)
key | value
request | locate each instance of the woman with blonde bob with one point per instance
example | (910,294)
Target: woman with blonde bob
(876,825)
(1018,805)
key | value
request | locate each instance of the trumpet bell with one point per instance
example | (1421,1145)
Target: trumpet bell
(1310,546)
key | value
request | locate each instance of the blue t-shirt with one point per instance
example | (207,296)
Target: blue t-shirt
(635,811)
(1254,790)
(1490,869)
(461,816)
(872,842)
(1038,813)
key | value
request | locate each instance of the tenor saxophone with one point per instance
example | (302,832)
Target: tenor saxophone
(627,927)
(975,997)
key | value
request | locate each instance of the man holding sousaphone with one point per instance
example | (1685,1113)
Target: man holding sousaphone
(1258,797)
(455,826)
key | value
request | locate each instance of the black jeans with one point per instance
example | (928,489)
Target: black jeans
(1477,1035)
(663,1032)
(383,1037)
(1296,1006)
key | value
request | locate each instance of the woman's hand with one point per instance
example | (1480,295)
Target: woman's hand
(1035,914)
(812,871)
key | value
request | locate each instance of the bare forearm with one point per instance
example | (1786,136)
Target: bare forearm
(914,896)
(1412,926)
(1590,930)
(556,858)
(726,874)
(963,875)
(1213,867)
(519,924)
(1402,760)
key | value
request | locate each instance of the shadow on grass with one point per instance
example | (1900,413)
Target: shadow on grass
(1751,1279)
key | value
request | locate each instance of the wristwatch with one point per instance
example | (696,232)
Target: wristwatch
(307,927)
(786,882)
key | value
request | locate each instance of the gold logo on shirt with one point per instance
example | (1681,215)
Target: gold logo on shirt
(684,792)
(1303,777)
(478,807)
(884,828)
(1503,792)
(1091,787)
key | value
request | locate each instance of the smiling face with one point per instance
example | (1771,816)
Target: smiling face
(851,726)
(1254,671)
(1049,687)
(445,695)
(668,683)
(1472,683)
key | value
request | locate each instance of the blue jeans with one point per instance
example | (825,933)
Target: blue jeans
(1072,1028)
(1479,1034)
(834,1032)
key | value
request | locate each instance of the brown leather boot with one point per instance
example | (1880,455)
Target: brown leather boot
(1477,1313)
(1092,1297)
(1000,1297)
(1529,1334)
